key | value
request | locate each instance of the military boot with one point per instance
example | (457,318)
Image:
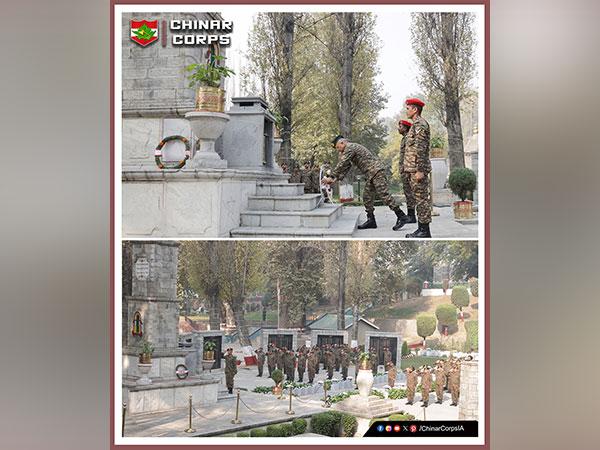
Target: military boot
(370,223)
(401,220)
(411,215)
(421,232)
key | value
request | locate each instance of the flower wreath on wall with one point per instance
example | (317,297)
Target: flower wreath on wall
(158,152)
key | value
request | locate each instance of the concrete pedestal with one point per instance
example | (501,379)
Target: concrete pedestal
(208,127)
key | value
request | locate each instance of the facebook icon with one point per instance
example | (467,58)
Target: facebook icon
(380,428)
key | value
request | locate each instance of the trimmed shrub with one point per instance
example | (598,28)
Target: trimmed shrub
(474,285)
(287,429)
(460,297)
(405,350)
(258,432)
(277,376)
(425,325)
(243,434)
(462,182)
(446,315)
(349,425)
(274,431)
(299,426)
(472,342)
(325,423)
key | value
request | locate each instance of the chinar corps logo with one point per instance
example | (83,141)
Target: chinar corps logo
(144,32)
(220,32)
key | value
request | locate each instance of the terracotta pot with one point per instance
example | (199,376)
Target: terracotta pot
(277,390)
(463,210)
(210,99)
(145,358)
(209,355)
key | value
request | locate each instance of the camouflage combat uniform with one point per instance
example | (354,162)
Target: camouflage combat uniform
(440,382)
(301,365)
(387,357)
(412,378)
(260,361)
(337,351)
(374,361)
(311,365)
(416,159)
(372,168)
(345,362)
(408,193)
(271,361)
(329,363)
(230,371)
(454,384)
(392,374)
(425,386)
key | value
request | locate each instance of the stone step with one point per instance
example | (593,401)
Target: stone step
(282,189)
(306,202)
(317,218)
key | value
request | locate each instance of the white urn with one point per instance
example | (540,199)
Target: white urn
(144,370)
(207,127)
(364,381)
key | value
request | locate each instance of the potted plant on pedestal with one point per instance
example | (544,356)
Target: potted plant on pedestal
(364,379)
(462,182)
(208,120)
(145,362)
(277,377)
(437,147)
(208,356)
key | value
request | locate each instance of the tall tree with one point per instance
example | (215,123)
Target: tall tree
(342,271)
(444,45)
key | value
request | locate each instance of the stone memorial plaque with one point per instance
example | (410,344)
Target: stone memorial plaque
(142,269)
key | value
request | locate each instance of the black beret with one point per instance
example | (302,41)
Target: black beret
(337,138)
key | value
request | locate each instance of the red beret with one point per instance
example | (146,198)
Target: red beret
(405,122)
(415,101)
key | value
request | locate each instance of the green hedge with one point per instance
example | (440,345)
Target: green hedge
(474,285)
(425,325)
(330,423)
(299,426)
(460,297)
(258,432)
(243,434)
(446,315)
(472,342)
(287,429)
(349,425)
(405,350)
(462,182)
(274,431)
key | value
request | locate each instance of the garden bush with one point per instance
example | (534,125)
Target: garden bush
(446,315)
(462,182)
(472,342)
(277,376)
(425,325)
(243,434)
(325,423)
(474,285)
(460,297)
(349,425)
(405,350)
(287,429)
(299,426)
(258,432)
(274,431)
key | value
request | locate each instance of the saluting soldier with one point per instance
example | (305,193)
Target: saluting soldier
(374,360)
(329,362)
(387,356)
(440,381)
(336,355)
(403,128)
(412,379)
(376,182)
(301,365)
(290,365)
(318,358)
(260,361)
(311,365)
(306,177)
(447,367)
(280,353)
(418,166)
(454,383)
(425,385)
(271,360)
(230,369)
(392,373)
(345,362)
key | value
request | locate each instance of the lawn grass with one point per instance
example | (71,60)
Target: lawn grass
(256,316)
(395,312)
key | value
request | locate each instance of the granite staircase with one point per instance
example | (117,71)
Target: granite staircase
(283,210)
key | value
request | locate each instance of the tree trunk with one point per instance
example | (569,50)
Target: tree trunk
(285,97)
(212,291)
(240,324)
(456,152)
(347,23)
(355,324)
(342,269)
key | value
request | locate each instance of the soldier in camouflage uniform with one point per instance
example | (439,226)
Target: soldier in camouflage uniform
(318,358)
(230,369)
(374,360)
(329,363)
(280,353)
(337,353)
(425,385)
(260,361)
(311,365)
(289,363)
(376,182)
(301,365)
(345,363)
(417,165)
(391,373)
(440,381)
(271,359)
(387,356)
(403,128)
(454,383)
(412,379)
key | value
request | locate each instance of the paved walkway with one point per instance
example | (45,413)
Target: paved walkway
(442,226)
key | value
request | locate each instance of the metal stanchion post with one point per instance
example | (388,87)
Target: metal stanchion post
(325,392)
(290,412)
(123,410)
(237,409)
(424,416)
(190,429)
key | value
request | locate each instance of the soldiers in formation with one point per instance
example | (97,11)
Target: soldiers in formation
(447,377)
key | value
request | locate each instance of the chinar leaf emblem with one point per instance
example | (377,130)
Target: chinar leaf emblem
(144,33)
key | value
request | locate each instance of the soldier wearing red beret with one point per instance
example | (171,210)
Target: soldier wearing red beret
(403,128)
(417,166)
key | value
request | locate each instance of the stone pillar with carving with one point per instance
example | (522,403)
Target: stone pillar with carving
(468,403)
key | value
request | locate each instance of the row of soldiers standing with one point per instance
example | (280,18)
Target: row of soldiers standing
(447,377)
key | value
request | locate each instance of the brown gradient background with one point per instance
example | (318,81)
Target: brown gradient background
(54,227)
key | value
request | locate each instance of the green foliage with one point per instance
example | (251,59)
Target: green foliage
(399,417)
(326,423)
(474,285)
(405,349)
(437,142)
(418,361)
(299,426)
(460,297)
(472,342)
(277,376)
(425,325)
(377,393)
(210,346)
(342,396)
(263,389)
(294,384)
(258,432)
(243,434)
(208,74)
(144,32)
(462,182)
(396,393)
(274,431)
(146,347)
(446,315)
(349,425)
(327,385)
(287,429)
